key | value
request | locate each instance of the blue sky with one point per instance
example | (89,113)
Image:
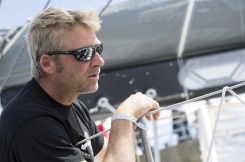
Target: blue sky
(17,12)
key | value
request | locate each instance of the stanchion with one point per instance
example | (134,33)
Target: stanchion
(146,145)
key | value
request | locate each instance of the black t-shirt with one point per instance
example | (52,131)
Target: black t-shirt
(34,127)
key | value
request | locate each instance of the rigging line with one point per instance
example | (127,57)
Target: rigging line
(181,66)
(241,19)
(46,4)
(22,51)
(218,115)
(17,60)
(171,106)
(194,99)
(216,122)
(234,94)
(183,38)
(186,27)
(108,3)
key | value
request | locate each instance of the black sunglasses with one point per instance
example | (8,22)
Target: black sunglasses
(81,54)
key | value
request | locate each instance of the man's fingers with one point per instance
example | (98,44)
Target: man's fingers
(148,117)
(155,105)
(156,116)
(139,104)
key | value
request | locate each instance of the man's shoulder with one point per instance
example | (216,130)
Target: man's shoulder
(21,111)
(15,119)
(34,135)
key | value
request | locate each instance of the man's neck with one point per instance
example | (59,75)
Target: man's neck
(57,94)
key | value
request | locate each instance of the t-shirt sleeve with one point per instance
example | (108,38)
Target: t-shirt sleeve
(46,140)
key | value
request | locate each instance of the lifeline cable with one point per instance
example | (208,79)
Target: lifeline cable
(194,99)
(172,106)
(223,91)
(143,133)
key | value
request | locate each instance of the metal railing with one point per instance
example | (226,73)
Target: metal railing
(145,142)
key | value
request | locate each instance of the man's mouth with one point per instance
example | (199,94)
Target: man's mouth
(94,76)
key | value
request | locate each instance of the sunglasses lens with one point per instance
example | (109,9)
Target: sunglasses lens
(99,49)
(86,54)
(81,54)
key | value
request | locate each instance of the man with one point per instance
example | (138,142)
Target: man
(46,121)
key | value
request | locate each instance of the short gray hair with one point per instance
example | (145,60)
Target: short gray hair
(48,29)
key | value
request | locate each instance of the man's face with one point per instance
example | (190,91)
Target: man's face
(78,76)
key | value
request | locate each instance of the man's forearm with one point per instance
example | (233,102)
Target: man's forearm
(121,146)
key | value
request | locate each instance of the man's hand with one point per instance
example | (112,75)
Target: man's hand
(137,105)
(121,145)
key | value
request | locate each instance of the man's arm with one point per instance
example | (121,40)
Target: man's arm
(101,155)
(121,146)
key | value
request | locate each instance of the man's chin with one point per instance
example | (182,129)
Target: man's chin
(92,90)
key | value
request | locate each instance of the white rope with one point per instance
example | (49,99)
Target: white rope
(194,99)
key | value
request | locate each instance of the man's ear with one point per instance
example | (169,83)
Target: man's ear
(47,63)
